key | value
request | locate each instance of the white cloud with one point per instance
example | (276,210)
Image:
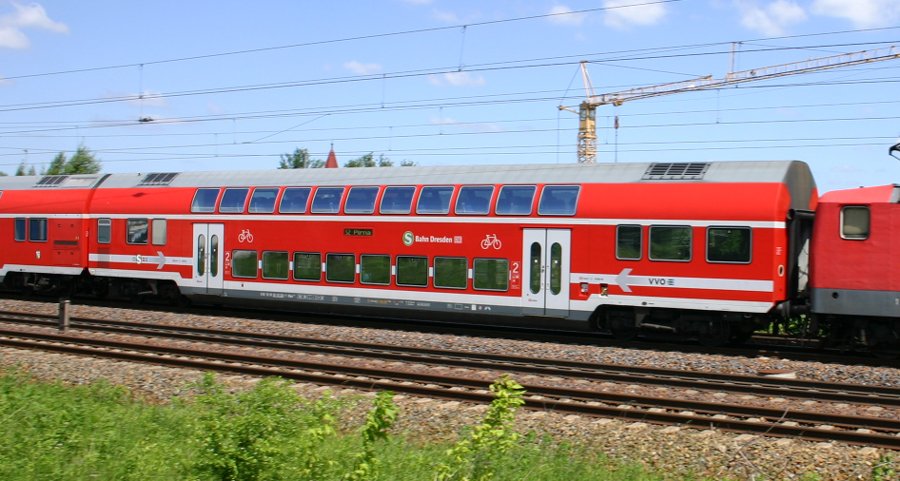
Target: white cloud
(862,13)
(26,16)
(360,68)
(772,19)
(456,79)
(562,16)
(445,16)
(624,13)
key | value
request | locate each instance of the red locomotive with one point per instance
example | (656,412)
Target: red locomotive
(705,250)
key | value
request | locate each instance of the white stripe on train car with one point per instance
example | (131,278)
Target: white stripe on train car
(159,260)
(626,281)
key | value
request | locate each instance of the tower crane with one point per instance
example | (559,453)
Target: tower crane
(587,110)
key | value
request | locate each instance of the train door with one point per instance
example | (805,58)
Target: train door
(208,257)
(545,276)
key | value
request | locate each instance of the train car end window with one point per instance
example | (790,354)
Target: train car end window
(204,201)
(327,200)
(670,243)
(558,200)
(412,271)
(434,200)
(450,272)
(275,265)
(136,231)
(37,230)
(19,229)
(375,269)
(159,232)
(340,268)
(244,264)
(474,200)
(730,245)
(629,245)
(397,200)
(263,201)
(307,266)
(490,274)
(294,200)
(855,222)
(515,200)
(104,231)
(233,201)
(361,200)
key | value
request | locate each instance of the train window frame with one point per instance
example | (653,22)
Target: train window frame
(261,206)
(690,247)
(640,246)
(477,206)
(104,230)
(388,191)
(563,210)
(335,255)
(367,205)
(238,273)
(749,247)
(203,203)
(228,203)
(318,277)
(321,196)
(475,271)
(134,234)
(400,271)
(289,194)
(437,272)
(445,207)
(40,233)
(20,229)
(863,232)
(266,263)
(158,232)
(507,207)
(365,259)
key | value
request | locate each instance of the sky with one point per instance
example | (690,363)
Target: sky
(168,86)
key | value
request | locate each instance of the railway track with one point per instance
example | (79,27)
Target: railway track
(869,431)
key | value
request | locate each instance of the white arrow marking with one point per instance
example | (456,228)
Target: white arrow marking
(162,260)
(623,279)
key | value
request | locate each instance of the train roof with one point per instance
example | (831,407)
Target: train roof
(786,172)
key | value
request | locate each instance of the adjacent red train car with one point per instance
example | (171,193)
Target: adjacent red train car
(854,275)
(701,249)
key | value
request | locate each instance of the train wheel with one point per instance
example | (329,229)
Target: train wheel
(718,333)
(623,326)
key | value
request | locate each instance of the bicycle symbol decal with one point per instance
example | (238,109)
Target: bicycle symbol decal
(491,241)
(245,236)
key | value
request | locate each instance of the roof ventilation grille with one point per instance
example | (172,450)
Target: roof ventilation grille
(51,180)
(158,178)
(676,171)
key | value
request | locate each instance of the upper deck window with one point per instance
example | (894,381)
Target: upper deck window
(37,229)
(434,200)
(670,243)
(205,201)
(294,200)
(263,200)
(327,200)
(474,200)
(515,199)
(397,200)
(729,244)
(361,200)
(559,200)
(855,222)
(233,200)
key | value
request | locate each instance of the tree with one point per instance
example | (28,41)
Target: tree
(57,165)
(82,162)
(2,174)
(299,159)
(368,160)
(20,170)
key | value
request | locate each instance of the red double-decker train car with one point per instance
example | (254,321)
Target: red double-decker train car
(708,250)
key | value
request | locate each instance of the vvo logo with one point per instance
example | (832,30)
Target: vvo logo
(661,281)
(408,238)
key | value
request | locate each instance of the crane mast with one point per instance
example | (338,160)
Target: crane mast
(587,110)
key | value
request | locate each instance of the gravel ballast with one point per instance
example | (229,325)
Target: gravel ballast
(672,450)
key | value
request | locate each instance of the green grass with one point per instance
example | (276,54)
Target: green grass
(99,432)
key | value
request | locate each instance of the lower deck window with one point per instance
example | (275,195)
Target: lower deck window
(307,266)
(104,231)
(37,230)
(375,269)
(340,268)
(491,274)
(275,265)
(137,230)
(670,243)
(450,272)
(412,271)
(244,264)
(19,229)
(728,244)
